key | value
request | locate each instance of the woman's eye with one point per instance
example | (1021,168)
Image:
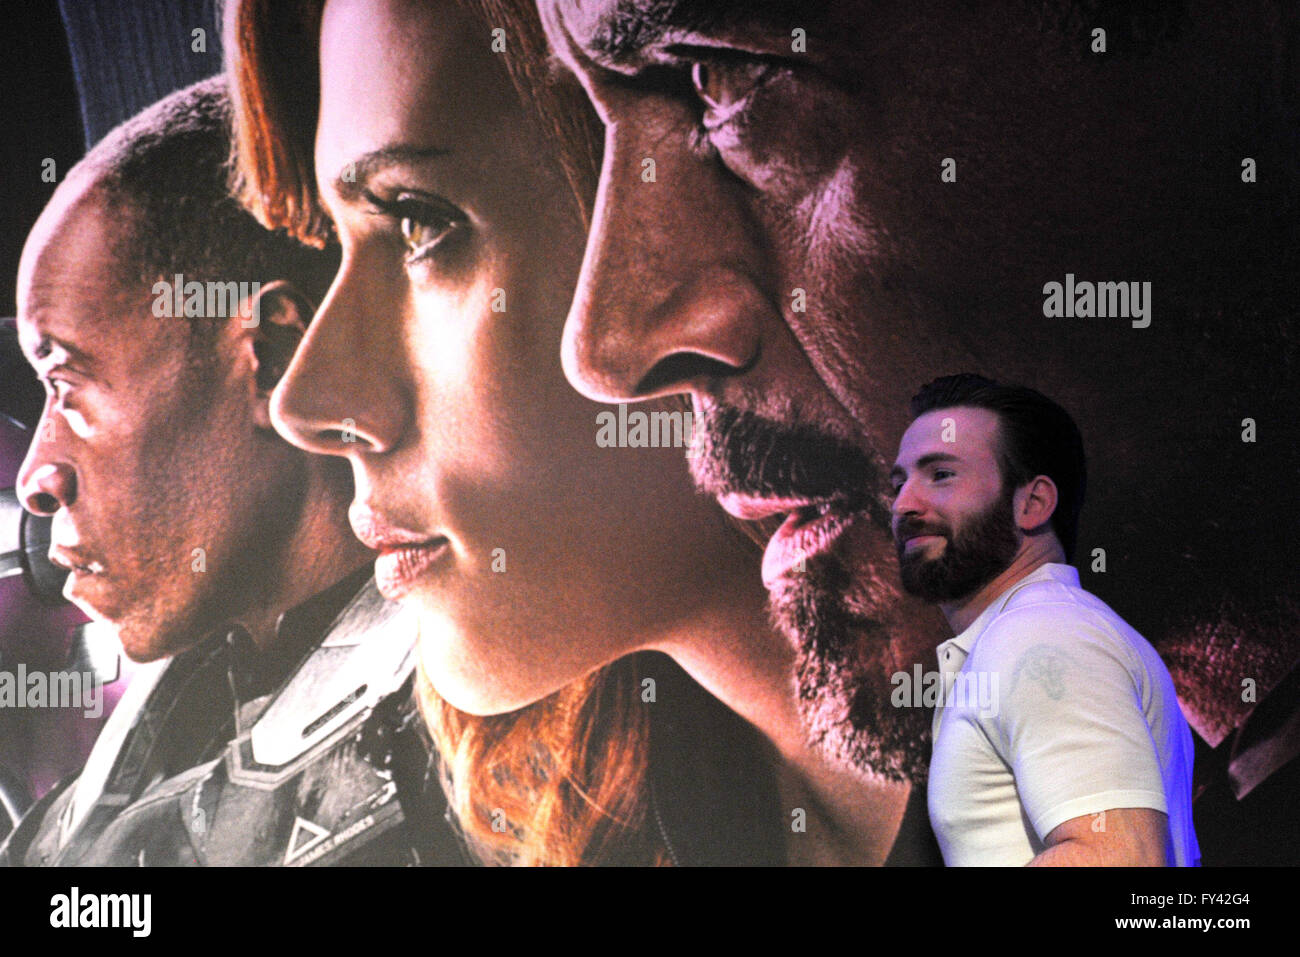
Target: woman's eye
(423,231)
(724,86)
(424,223)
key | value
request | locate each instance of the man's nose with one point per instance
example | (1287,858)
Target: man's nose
(907,501)
(46,481)
(342,393)
(668,298)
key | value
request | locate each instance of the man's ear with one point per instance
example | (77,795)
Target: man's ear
(280,314)
(1035,503)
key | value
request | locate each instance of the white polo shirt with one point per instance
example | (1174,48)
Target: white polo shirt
(1053,708)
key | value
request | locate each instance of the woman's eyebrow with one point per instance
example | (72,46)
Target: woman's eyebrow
(351,179)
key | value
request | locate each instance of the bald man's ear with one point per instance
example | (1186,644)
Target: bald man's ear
(281,313)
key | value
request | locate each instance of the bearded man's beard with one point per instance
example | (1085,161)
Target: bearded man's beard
(842,616)
(844,662)
(976,554)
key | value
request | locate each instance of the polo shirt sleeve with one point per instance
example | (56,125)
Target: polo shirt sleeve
(1070,720)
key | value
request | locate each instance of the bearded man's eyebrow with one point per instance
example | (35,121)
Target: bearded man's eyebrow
(633,25)
(935,458)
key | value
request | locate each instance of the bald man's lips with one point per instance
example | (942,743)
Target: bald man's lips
(74,560)
(86,583)
(811,528)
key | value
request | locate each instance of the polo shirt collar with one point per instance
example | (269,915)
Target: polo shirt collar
(954,651)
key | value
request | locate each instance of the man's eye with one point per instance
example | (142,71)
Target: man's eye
(942,474)
(724,86)
(57,388)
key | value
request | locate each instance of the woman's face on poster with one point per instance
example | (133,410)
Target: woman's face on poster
(531,552)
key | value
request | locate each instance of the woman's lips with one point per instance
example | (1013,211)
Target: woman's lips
(404,555)
(399,567)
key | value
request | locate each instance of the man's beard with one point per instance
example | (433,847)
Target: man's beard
(843,623)
(976,554)
(841,616)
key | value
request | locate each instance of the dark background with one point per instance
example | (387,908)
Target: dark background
(41,117)
(121,55)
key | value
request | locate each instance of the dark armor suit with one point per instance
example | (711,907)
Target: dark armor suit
(311,754)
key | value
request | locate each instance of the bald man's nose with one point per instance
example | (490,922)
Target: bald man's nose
(45,487)
(666,301)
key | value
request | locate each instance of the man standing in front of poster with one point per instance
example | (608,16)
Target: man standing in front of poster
(1083,757)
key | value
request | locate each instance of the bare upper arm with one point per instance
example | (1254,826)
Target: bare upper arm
(1124,836)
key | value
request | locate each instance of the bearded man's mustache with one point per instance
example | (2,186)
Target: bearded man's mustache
(740,453)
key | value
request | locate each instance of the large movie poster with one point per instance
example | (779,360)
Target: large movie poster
(630,433)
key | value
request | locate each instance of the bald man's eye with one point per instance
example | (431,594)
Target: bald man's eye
(55,387)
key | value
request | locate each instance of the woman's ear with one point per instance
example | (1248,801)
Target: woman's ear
(280,314)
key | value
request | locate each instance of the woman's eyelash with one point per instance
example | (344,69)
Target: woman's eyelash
(404,210)
(411,207)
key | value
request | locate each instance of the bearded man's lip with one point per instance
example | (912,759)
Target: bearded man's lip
(805,536)
(751,508)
